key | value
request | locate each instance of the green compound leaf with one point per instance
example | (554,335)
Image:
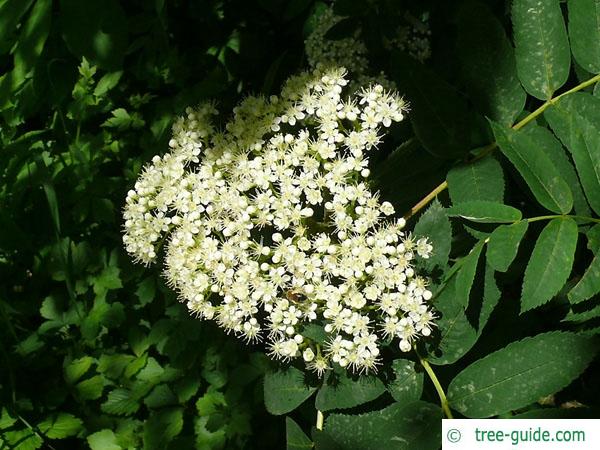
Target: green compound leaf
(295,437)
(162,427)
(285,390)
(489,67)
(439,116)
(466,275)
(397,427)
(457,334)
(485,212)
(574,119)
(520,374)
(550,263)
(504,244)
(61,426)
(479,180)
(340,391)
(407,385)
(584,31)
(526,153)
(542,46)
(434,224)
(103,440)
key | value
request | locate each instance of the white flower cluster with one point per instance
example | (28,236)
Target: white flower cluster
(272,229)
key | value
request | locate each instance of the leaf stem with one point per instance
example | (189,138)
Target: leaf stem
(428,198)
(489,148)
(557,216)
(320,419)
(438,388)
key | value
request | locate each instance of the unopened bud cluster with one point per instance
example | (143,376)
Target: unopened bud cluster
(270,228)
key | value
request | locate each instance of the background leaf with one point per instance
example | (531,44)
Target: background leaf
(488,65)
(440,117)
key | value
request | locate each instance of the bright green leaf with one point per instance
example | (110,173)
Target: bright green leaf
(520,374)
(60,426)
(550,263)
(485,212)
(584,31)
(75,369)
(504,244)
(285,390)
(341,391)
(103,440)
(542,46)
(91,388)
(107,82)
(536,167)
(120,402)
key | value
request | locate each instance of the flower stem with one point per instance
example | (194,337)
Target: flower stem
(444,185)
(438,388)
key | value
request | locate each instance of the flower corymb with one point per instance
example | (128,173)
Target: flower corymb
(271,228)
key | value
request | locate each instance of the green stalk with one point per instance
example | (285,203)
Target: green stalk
(438,388)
